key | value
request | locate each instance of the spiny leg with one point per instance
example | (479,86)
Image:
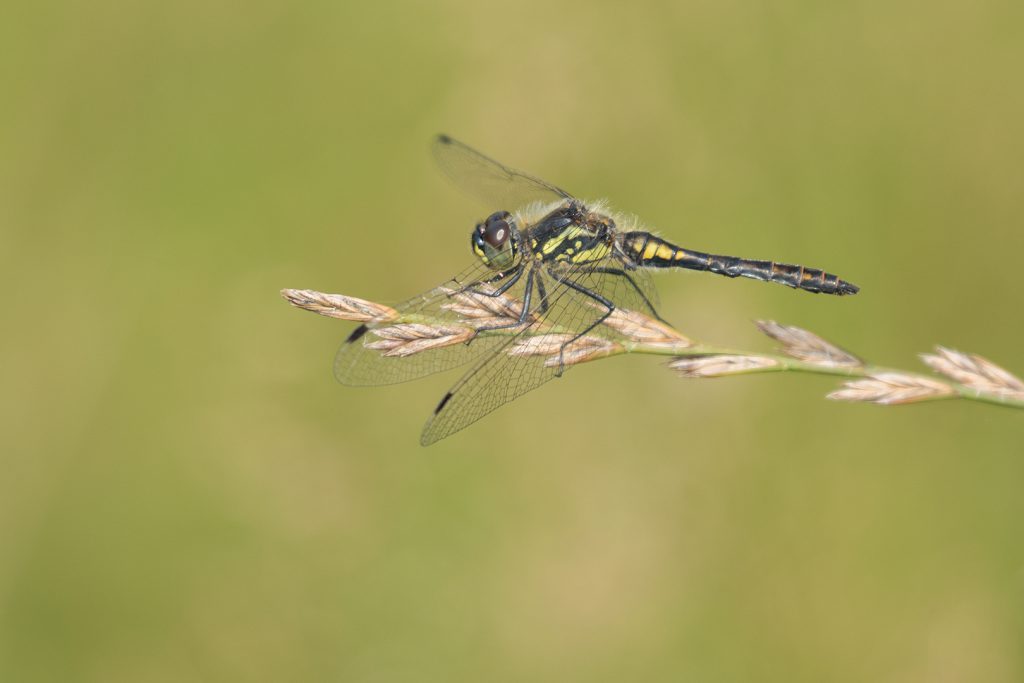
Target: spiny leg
(472,289)
(632,282)
(543,294)
(496,278)
(525,313)
(604,316)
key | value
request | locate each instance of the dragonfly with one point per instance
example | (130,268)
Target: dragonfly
(548,261)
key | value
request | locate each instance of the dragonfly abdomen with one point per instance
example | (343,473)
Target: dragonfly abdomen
(650,251)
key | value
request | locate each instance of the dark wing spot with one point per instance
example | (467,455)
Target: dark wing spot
(356,334)
(441,405)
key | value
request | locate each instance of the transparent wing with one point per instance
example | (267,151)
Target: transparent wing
(436,331)
(508,372)
(497,186)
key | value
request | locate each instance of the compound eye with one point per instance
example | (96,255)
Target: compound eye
(496,229)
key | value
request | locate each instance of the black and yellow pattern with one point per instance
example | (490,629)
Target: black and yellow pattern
(557,267)
(650,251)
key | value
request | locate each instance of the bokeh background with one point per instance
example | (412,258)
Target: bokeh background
(188,495)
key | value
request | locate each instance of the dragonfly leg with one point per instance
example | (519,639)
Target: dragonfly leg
(504,287)
(543,295)
(525,313)
(604,301)
(491,280)
(632,282)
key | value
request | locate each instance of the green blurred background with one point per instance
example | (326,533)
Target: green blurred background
(188,495)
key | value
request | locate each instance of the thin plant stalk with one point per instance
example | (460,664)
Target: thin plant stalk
(958,374)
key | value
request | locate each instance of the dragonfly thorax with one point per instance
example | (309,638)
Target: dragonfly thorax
(495,240)
(572,234)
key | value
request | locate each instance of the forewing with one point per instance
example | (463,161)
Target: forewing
(494,184)
(434,332)
(508,372)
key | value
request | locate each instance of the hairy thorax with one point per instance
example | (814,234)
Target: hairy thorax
(568,232)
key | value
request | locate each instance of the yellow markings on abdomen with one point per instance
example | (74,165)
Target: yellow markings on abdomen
(656,250)
(665,252)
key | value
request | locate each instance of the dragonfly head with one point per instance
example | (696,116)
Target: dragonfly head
(494,241)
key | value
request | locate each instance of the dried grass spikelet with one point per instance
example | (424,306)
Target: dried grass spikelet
(892,388)
(482,309)
(720,365)
(810,348)
(560,349)
(645,330)
(339,306)
(406,339)
(974,372)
